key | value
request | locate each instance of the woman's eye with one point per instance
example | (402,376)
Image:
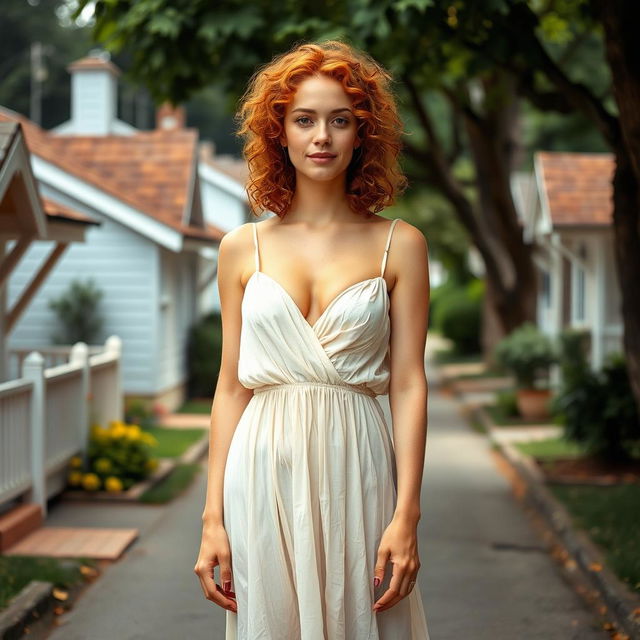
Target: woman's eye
(343,122)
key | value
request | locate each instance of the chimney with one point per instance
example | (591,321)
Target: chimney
(94,94)
(169,118)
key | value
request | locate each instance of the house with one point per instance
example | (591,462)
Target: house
(163,205)
(44,411)
(565,206)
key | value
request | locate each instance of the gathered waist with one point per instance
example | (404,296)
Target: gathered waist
(361,388)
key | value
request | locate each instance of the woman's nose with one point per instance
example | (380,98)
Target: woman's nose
(322,133)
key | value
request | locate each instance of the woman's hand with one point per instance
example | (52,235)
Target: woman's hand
(215,550)
(399,543)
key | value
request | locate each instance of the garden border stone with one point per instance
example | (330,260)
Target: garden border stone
(621,601)
(31,605)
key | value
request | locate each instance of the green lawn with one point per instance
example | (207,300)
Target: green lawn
(551,448)
(171,486)
(196,406)
(611,517)
(174,442)
(16,572)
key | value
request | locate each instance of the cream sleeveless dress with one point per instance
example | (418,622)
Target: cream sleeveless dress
(310,478)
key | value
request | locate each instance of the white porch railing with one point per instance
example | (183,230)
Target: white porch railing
(45,417)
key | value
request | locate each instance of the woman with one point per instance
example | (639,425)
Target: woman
(310,513)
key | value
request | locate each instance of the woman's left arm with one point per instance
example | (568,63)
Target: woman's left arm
(408,388)
(408,392)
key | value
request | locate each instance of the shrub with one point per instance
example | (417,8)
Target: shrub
(78,313)
(458,315)
(143,413)
(204,352)
(526,352)
(118,457)
(506,403)
(597,409)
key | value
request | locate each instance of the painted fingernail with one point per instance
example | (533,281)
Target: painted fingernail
(226,585)
(376,581)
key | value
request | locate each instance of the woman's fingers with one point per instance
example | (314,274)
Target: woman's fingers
(212,591)
(392,594)
(399,587)
(217,595)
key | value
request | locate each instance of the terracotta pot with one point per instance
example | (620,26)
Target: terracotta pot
(533,404)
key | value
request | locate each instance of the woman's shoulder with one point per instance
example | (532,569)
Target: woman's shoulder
(237,239)
(404,232)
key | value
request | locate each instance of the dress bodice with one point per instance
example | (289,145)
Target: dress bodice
(348,343)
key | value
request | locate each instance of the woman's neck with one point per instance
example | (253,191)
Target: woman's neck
(319,202)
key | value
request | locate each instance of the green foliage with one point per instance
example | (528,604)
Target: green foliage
(204,353)
(506,403)
(143,413)
(78,313)
(121,451)
(458,315)
(526,352)
(597,409)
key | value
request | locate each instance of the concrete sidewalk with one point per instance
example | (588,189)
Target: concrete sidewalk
(485,574)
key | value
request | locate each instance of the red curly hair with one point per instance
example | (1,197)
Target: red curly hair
(374,177)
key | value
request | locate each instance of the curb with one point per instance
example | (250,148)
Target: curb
(32,605)
(31,611)
(623,604)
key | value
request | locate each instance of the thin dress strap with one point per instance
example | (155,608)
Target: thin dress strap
(255,242)
(386,249)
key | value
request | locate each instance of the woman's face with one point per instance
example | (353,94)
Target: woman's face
(319,120)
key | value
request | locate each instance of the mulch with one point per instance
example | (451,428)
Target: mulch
(590,470)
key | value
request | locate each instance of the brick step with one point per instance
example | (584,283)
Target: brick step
(19,522)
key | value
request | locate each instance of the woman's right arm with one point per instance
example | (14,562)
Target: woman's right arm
(229,401)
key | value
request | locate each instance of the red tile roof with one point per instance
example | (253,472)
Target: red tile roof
(54,210)
(151,171)
(578,187)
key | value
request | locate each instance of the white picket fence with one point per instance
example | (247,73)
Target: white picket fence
(46,414)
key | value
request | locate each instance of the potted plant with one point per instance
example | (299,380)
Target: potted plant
(528,353)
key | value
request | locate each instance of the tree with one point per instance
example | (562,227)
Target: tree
(510,38)
(174,37)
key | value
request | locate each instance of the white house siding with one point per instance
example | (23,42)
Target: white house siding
(177,313)
(122,264)
(226,210)
(223,203)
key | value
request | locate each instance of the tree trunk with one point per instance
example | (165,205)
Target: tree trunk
(620,20)
(511,298)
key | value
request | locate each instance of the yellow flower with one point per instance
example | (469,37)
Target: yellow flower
(91,482)
(75,462)
(134,431)
(102,465)
(118,430)
(113,484)
(74,478)
(151,464)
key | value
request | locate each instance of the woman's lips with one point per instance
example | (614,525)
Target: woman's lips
(322,159)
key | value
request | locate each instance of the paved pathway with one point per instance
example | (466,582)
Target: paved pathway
(484,574)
